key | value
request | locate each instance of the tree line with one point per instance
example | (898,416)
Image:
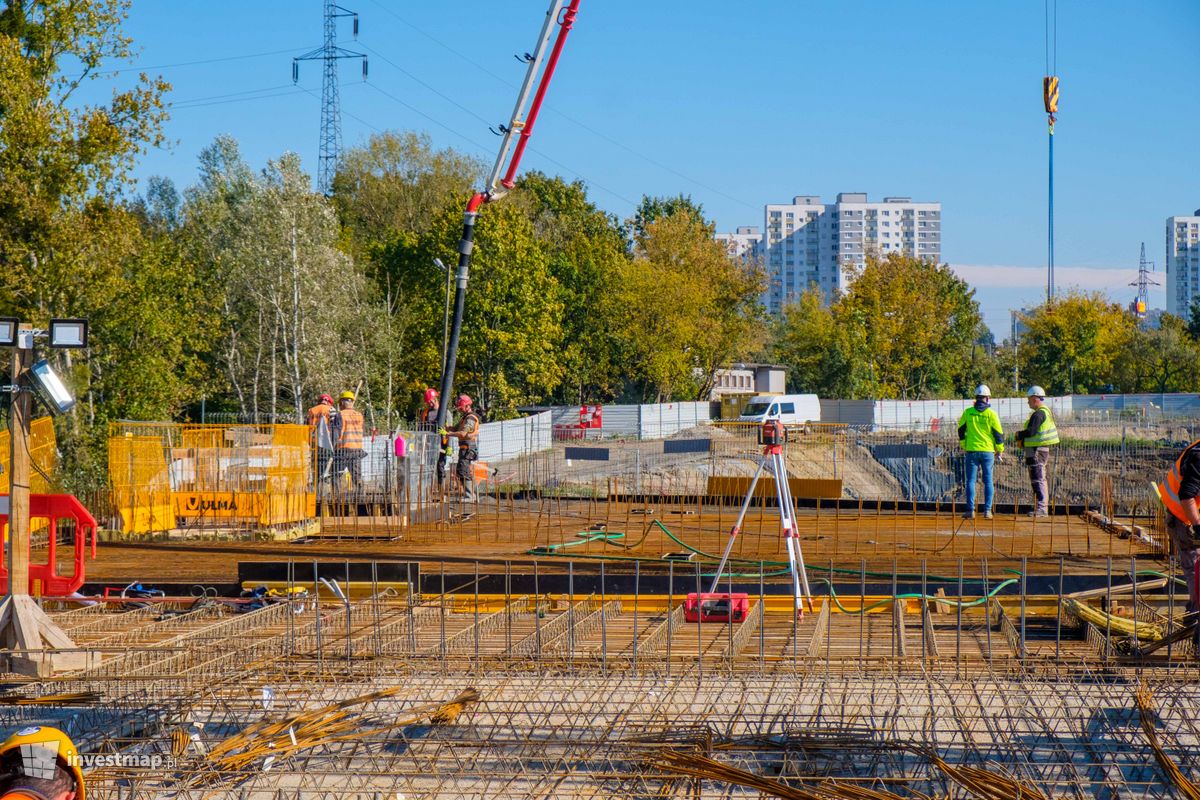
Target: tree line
(911,331)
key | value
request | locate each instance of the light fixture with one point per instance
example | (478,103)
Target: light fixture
(68,333)
(51,387)
(8,331)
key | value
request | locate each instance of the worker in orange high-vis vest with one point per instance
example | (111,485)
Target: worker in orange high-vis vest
(320,419)
(467,431)
(1179,492)
(348,440)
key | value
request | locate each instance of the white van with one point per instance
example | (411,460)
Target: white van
(790,409)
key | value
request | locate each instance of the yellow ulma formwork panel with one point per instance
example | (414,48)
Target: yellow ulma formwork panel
(164,474)
(42,452)
(141,488)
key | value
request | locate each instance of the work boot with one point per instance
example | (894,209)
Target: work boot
(969,514)
(1039,512)
(987,514)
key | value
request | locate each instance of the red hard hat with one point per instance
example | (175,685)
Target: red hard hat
(326,399)
(463,402)
(431,396)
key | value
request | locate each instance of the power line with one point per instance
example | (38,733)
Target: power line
(482,150)
(355,117)
(233,100)
(231,94)
(485,150)
(417,80)
(194,63)
(568,118)
(445,46)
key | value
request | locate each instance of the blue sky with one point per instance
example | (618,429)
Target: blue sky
(743,103)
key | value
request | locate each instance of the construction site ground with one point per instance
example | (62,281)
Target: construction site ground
(500,532)
(536,645)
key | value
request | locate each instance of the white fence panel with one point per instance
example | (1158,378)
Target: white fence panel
(928,414)
(665,419)
(501,441)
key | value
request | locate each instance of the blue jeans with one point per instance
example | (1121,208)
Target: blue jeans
(980,460)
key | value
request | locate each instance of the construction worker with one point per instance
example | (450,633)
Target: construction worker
(982,438)
(1036,438)
(320,412)
(348,440)
(427,420)
(467,431)
(319,419)
(1178,493)
(429,409)
(40,764)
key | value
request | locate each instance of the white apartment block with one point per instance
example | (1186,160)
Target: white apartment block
(810,243)
(744,243)
(1183,263)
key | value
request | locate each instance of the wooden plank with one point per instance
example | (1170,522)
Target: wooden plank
(1125,588)
(931,645)
(818,634)
(809,488)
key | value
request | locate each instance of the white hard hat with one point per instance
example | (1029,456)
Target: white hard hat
(1036,391)
(982,390)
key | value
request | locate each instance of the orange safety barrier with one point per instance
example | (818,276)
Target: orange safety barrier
(58,515)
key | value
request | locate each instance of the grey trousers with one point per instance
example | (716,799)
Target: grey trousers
(465,470)
(1185,548)
(1035,464)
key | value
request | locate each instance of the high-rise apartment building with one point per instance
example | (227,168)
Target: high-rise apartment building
(809,243)
(745,242)
(1183,263)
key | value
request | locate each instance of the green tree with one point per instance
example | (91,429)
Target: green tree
(512,322)
(153,359)
(816,350)
(396,184)
(67,247)
(1193,321)
(586,249)
(296,312)
(652,209)
(1165,359)
(62,163)
(685,309)
(905,328)
(1073,342)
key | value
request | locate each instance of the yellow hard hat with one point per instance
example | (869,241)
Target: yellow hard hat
(54,744)
(346,396)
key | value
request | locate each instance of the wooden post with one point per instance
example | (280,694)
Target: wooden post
(19,461)
(24,627)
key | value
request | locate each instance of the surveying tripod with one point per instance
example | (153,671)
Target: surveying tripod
(772,436)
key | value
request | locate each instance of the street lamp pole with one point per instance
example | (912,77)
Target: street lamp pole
(19,461)
(35,643)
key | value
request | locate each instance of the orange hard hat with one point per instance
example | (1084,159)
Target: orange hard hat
(33,756)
